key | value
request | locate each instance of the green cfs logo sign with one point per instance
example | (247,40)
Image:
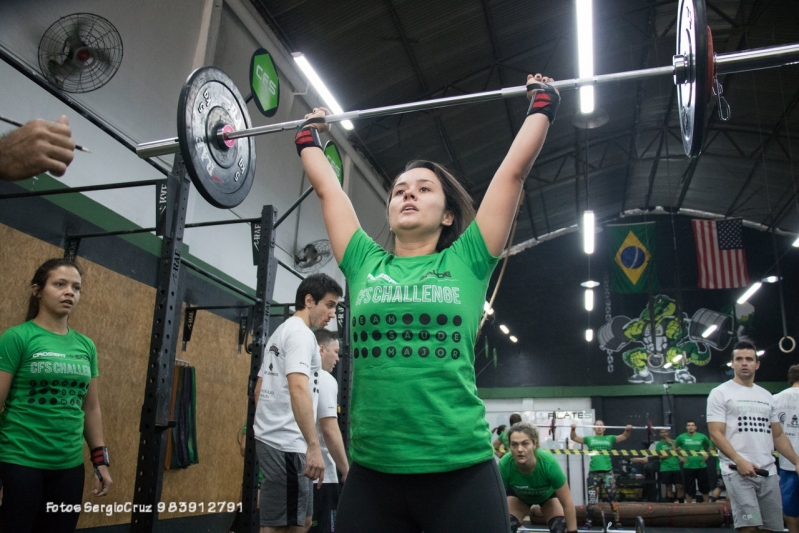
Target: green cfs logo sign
(264,83)
(334,158)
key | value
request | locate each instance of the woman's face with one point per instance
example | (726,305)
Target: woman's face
(418,204)
(61,292)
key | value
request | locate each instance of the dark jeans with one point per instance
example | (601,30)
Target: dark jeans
(469,500)
(28,491)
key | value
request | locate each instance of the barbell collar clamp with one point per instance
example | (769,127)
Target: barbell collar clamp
(680,64)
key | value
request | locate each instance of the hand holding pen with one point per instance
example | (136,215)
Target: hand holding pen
(37,146)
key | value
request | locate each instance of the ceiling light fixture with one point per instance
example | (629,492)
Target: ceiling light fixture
(589,335)
(513,338)
(504,329)
(589,299)
(585,51)
(795,243)
(321,88)
(487,309)
(771,279)
(667,365)
(760,352)
(709,331)
(749,292)
(588,232)
(590,284)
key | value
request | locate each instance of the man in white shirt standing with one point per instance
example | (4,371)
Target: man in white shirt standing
(287,393)
(743,423)
(325,498)
(788,412)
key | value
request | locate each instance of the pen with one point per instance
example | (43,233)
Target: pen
(19,125)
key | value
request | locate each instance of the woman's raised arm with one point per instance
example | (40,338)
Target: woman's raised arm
(339,215)
(498,208)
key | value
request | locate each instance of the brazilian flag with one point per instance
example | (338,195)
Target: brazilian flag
(632,249)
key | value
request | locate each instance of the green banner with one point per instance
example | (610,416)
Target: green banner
(264,83)
(334,157)
(632,252)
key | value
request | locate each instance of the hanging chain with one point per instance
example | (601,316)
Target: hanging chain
(724,107)
(608,314)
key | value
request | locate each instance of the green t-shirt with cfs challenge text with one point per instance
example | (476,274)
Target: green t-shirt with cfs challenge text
(414,322)
(42,423)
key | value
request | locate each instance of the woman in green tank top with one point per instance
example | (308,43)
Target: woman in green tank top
(48,391)
(418,429)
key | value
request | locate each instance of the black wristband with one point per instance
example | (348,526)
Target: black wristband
(545,100)
(307,136)
(99,456)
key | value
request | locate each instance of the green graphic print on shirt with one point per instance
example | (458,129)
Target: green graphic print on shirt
(538,486)
(600,463)
(667,464)
(414,322)
(42,424)
(695,443)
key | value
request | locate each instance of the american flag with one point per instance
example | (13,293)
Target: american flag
(720,254)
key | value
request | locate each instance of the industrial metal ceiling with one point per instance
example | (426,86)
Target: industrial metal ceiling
(377,53)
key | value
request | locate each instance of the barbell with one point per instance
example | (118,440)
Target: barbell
(215,137)
(649,428)
(640,527)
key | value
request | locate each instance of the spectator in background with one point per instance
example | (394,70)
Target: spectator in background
(669,469)
(744,425)
(600,470)
(694,467)
(499,448)
(502,439)
(325,498)
(788,413)
(286,395)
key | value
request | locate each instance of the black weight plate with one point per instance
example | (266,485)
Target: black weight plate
(691,95)
(223,172)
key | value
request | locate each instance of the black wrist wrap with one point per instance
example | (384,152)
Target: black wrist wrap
(99,456)
(306,137)
(545,100)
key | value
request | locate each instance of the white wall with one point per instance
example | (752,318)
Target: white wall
(160,43)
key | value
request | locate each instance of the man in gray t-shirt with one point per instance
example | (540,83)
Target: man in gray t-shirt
(744,426)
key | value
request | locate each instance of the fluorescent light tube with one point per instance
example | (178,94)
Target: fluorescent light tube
(585,51)
(321,88)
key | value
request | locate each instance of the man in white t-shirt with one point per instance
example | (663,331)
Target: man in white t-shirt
(286,396)
(788,412)
(325,498)
(743,423)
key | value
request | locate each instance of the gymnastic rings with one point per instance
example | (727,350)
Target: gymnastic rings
(793,344)
(656,360)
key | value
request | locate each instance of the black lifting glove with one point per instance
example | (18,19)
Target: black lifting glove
(545,100)
(308,135)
